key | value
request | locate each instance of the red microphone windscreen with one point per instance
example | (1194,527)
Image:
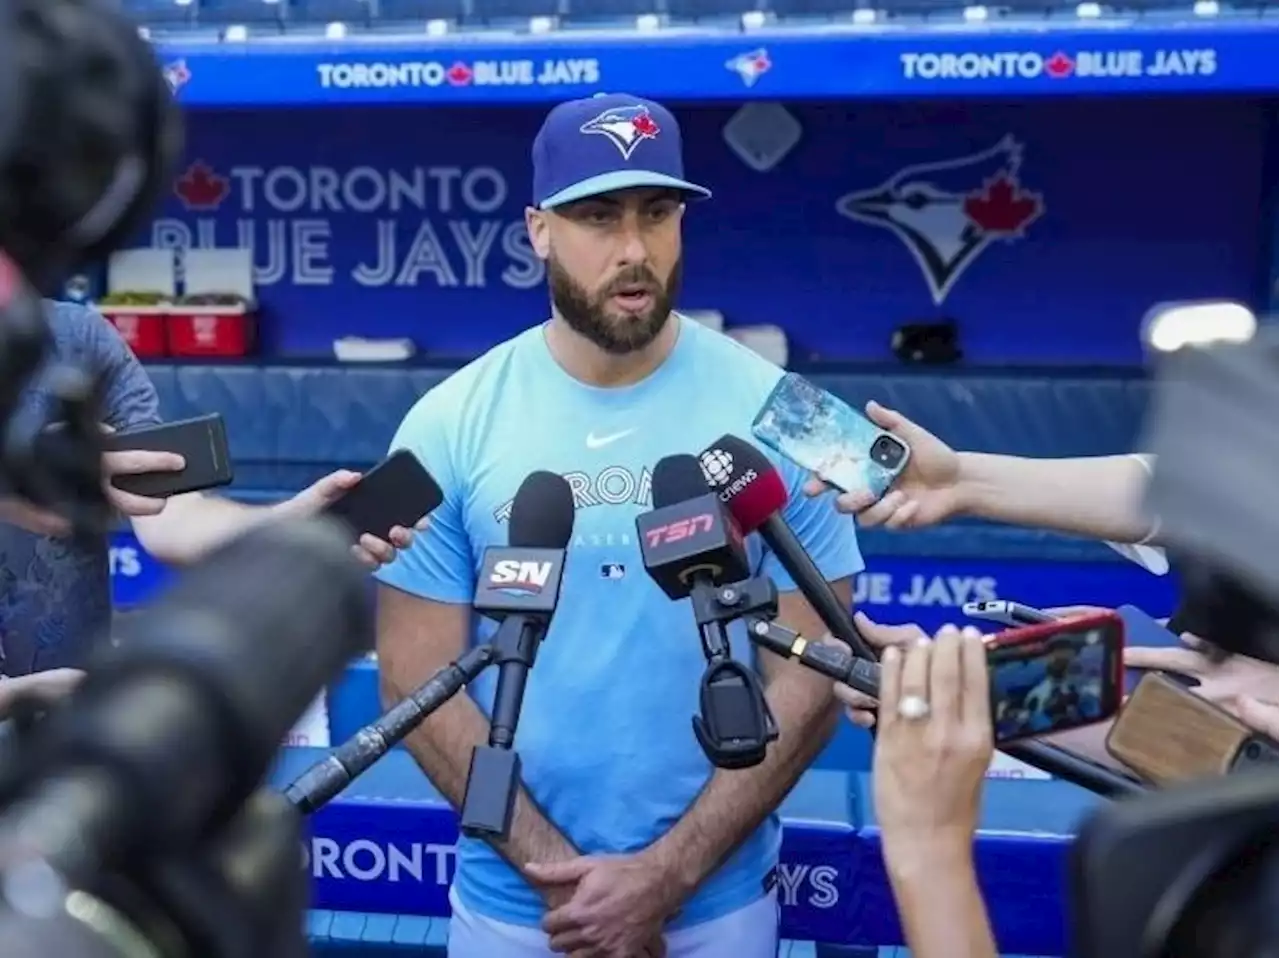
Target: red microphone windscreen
(745,480)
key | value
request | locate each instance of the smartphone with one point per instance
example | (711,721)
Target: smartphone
(396,492)
(1002,612)
(828,437)
(1056,676)
(1169,735)
(1141,629)
(202,442)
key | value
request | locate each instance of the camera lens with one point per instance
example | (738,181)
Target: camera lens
(887,451)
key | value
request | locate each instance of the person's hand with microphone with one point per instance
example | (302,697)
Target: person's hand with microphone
(859,708)
(935,744)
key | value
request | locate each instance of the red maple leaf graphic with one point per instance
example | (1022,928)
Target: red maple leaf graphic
(1002,207)
(459,74)
(1059,66)
(645,125)
(200,188)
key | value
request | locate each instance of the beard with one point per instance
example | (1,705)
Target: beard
(589,316)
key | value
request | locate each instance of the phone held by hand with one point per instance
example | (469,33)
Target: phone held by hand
(1003,612)
(1141,629)
(1209,741)
(396,492)
(201,442)
(1056,676)
(828,437)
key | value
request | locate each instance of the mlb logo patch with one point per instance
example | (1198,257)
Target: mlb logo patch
(612,570)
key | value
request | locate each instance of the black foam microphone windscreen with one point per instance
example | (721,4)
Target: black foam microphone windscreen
(677,479)
(542,513)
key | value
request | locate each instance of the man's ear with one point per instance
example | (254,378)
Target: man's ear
(535,222)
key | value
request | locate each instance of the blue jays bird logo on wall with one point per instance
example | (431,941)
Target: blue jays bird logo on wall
(947,213)
(626,127)
(177,75)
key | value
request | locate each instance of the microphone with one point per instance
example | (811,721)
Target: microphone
(172,731)
(326,779)
(693,548)
(864,676)
(689,538)
(749,484)
(518,587)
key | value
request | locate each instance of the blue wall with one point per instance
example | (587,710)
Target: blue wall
(407,221)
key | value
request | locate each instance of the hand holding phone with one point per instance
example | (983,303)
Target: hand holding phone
(819,432)
(1168,735)
(170,459)
(396,492)
(1056,676)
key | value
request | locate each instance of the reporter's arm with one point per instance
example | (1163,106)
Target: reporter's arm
(1099,497)
(939,903)
(193,525)
(417,637)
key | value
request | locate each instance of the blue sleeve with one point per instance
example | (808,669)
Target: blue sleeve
(129,399)
(827,535)
(439,565)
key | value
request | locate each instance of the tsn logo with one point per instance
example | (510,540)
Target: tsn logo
(515,575)
(681,529)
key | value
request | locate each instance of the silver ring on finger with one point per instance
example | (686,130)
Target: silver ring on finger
(913,708)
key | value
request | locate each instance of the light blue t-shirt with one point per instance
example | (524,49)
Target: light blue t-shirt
(604,735)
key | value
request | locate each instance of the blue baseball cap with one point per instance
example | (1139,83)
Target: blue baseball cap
(612,141)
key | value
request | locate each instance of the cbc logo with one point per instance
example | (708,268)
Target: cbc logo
(717,466)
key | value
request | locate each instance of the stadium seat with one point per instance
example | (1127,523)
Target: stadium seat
(248,12)
(418,11)
(603,11)
(710,9)
(161,12)
(351,12)
(499,11)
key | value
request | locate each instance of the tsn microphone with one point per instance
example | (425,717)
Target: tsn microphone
(692,548)
(518,587)
(749,484)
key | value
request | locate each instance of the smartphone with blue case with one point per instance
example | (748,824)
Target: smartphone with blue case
(831,439)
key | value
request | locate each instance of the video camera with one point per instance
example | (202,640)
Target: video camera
(1191,871)
(131,818)
(88,133)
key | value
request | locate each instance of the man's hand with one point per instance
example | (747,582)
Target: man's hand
(860,708)
(131,463)
(927,492)
(1218,681)
(44,687)
(313,500)
(617,909)
(20,513)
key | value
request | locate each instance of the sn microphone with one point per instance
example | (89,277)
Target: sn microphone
(747,482)
(518,587)
(171,732)
(326,779)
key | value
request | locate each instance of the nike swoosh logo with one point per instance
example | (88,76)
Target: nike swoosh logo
(599,442)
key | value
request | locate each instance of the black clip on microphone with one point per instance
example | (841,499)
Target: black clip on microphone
(735,725)
(518,586)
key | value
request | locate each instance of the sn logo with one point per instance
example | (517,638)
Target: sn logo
(676,531)
(517,576)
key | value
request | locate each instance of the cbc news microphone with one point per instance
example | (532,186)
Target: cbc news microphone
(753,489)
(171,731)
(518,587)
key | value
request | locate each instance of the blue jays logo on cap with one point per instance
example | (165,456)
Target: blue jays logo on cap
(626,127)
(571,161)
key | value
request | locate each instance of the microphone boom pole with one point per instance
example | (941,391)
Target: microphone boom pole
(326,779)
